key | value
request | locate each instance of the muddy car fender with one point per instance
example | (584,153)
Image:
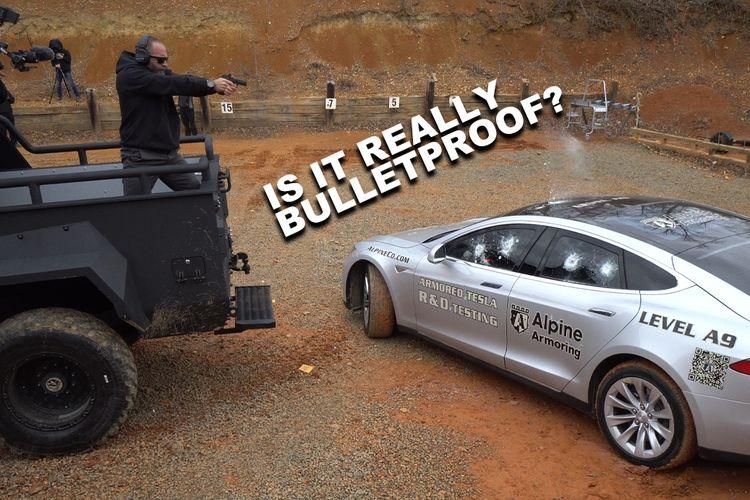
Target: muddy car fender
(395,264)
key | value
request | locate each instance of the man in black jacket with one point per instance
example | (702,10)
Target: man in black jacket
(150,128)
(6,110)
(62,62)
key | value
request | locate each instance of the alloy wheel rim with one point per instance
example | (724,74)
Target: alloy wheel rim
(639,418)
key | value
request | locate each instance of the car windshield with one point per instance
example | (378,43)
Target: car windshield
(439,235)
(725,258)
(446,233)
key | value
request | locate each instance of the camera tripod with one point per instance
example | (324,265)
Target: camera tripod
(54,84)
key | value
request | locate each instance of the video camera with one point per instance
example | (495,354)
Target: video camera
(20,58)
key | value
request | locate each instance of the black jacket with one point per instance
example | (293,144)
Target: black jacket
(149,118)
(62,56)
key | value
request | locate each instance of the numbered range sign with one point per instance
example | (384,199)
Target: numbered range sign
(227,108)
(451,99)
(330,103)
(394,102)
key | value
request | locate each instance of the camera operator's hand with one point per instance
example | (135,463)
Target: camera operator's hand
(224,86)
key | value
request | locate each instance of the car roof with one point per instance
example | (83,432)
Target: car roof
(671,225)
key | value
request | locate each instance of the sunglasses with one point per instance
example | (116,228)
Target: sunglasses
(161,60)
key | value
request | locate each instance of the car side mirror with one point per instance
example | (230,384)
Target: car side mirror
(437,254)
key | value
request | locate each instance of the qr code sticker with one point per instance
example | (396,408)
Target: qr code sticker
(709,368)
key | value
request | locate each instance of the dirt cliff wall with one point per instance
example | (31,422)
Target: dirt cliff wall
(291,47)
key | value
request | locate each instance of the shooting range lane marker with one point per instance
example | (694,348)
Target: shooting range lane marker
(394,102)
(227,108)
(330,103)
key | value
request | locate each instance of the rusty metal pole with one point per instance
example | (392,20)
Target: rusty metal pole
(94,115)
(524,88)
(430,97)
(206,122)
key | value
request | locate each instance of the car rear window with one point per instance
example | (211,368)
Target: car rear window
(725,258)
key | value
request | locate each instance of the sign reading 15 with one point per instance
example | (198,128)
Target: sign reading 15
(226,107)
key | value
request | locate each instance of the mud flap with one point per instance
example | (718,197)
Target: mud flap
(254,307)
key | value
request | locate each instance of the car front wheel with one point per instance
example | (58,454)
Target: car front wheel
(645,416)
(377,308)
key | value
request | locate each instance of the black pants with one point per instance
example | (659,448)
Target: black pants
(142,158)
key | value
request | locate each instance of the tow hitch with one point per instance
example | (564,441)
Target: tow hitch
(234,262)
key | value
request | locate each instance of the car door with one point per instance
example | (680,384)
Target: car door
(462,300)
(571,304)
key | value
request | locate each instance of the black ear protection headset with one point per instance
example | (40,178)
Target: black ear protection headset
(142,54)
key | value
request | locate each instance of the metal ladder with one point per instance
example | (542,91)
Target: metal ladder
(599,108)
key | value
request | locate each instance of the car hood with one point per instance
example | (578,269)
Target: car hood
(414,237)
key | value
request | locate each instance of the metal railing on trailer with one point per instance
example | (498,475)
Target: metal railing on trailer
(34,183)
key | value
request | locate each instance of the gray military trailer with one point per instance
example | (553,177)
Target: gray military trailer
(85,271)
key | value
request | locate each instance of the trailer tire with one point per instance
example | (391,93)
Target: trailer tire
(67,381)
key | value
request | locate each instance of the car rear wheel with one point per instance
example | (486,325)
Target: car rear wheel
(67,381)
(377,308)
(645,416)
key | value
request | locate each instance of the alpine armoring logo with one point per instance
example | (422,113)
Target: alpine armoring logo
(519,318)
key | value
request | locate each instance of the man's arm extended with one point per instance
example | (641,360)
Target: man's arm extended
(146,82)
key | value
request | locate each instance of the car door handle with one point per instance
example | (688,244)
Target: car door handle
(492,285)
(603,312)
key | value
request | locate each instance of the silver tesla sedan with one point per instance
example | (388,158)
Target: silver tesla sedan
(634,309)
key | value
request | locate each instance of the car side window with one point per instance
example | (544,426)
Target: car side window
(503,248)
(577,261)
(643,275)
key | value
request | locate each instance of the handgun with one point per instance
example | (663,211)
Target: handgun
(234,80)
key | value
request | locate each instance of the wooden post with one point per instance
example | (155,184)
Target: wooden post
(430,97)
(330,94)
(94,115)
(524,88)
(614,86)
(206,122)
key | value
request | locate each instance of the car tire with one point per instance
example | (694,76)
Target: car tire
(378,316)
(645,417)
(67,381)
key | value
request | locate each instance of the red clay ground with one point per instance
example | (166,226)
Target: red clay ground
(396,418)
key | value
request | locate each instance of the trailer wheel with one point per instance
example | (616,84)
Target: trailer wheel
(67,381)
(377,308)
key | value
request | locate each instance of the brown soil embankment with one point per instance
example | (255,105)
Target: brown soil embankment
(374,47)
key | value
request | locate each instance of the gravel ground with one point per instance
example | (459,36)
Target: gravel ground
(233,416)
